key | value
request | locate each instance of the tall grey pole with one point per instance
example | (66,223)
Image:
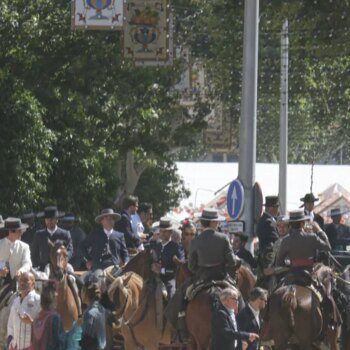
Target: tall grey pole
(247,132)
(284,120)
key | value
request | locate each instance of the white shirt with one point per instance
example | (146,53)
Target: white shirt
(255,313)
(108,232)
(16,254)
(51,232)
(20,331)
(137,228)
(233,318)
(311,214)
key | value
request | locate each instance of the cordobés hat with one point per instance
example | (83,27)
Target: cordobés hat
(337,211)
(107,212)
(50,213)
(28,214)
(69,217)
(298,215)
(271,201)
(12,224)
(308,198)
(165,224)
(210,214)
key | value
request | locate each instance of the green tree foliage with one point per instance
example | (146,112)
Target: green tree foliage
(73,111)
(318,74)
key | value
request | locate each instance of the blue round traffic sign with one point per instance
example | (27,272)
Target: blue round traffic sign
(235,199)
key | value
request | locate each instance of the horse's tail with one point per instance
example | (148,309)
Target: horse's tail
(289,304)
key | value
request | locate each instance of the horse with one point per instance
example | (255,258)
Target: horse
(199,310)
(294,316)
(66,301)
(136,296)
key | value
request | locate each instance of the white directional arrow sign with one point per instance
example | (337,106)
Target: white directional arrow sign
(235,199)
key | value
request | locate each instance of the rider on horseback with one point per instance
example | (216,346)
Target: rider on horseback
(210,254)
(301,248)
(14,255)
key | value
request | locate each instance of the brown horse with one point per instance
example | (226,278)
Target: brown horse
(136,298)
(199,310)
(66,302)
(294,316)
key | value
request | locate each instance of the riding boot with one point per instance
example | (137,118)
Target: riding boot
(182,327)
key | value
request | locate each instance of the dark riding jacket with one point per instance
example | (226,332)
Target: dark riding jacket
(40,247)
(210,253)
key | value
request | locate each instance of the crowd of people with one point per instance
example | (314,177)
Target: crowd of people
(287,245)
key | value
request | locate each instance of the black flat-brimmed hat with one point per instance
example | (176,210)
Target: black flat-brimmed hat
(107,212)
(297,216)
(271,201)
(28,214)
(12,224)
(308,198)
(210,214)
(337,211)
(69,217)
(165,224)
(51,213)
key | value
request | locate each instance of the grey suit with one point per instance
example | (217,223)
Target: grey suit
(299,245)
(209,253)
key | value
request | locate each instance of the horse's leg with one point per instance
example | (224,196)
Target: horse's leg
(191,343)
(332,337)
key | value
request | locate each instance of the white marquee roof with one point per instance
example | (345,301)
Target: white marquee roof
(203,179)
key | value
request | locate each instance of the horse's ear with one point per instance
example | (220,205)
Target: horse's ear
(127,279)
(50,243)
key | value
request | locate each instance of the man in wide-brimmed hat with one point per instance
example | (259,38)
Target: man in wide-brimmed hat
(14,254)
(300,246)
(309,204)
(337,232)
(105,247)
(40,247)
(69,223)
(165,252)
(211,252)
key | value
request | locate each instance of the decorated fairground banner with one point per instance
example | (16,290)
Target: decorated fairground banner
(97,14)
(172,52)
(146,30)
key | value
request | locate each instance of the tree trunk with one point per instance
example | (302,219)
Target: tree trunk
(130,178)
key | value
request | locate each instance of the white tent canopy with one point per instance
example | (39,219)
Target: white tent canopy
(204,179)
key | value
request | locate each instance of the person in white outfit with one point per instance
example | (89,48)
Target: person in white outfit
(14,254)
(23,311)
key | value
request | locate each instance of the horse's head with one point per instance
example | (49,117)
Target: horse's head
(123,289)
(58,259)
(140,263)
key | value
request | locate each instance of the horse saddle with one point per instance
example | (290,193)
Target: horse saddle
(201,285)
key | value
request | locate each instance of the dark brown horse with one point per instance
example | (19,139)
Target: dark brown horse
(66,301)
(294,316)
(199,310)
